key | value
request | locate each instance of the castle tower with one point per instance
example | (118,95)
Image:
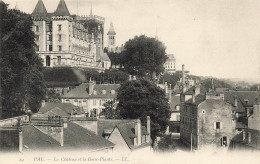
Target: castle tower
(111,38)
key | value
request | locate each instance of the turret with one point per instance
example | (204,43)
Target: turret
(111,38)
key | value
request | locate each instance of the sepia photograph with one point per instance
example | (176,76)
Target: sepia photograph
(129,81)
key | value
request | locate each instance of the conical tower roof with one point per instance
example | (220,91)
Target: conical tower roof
(111,30)
(39,10)
(62,9)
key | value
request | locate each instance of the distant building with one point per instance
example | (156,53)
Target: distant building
(249,139)
(91,96)
(169,65)
(207,121)
(65,40)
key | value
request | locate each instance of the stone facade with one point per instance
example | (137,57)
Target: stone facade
(65,40)
(169,65)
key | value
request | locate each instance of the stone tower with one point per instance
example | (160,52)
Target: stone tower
(111,38)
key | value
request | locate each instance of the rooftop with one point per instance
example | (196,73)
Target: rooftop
(66,107)
(255,138)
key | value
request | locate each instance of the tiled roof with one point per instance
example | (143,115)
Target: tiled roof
(240,125)
(66,107)
(56,112)
(111,30)
(229,97)
(39,10)
(191,90)
(78,137)
(81,91)
(62,9)
(125,127)
(34,139)
(198,99)
(109,123)
(255,138)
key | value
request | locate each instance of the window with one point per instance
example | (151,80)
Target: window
(178,118)
(59,37)
(112,92)
(100,102)
(94,102)
(217,125)
(59,27)
(103,91)
(36,37)
(50,37)
(50,47)
(60,48)
(37,28)
(59,59)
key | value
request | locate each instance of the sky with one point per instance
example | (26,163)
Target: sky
(219,38)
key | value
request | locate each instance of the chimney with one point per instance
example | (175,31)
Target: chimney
(197,89)
(182,78)
(130,77)
(43,103)
(212,84)
(244,135)
(222,96)
(90,87)
(249,137)
(138,132)
(62,137)
(148,127)
(235,101)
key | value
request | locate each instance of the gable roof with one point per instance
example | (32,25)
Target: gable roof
(62,9)
(56,112)
(34,139)
(198,99)
(66,107)
(255,139)
(81,91)
(78,137)
(111,30)
(191,90)
(39,10)
(104,57)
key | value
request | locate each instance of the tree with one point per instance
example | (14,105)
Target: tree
(110,111)
(144,56)
(170,79)
(22,83)
(142,98)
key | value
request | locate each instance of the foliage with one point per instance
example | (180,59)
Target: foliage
(53,96)
(170,79)
(110,111)
(22,81)
(254,87)
(165,144)
(217,84)
(142,98)
(144,56)
(117,58)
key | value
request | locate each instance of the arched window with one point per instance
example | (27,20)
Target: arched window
(48,61)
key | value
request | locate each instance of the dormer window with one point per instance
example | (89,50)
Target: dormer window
(112,92)
(95,92)
(103,91)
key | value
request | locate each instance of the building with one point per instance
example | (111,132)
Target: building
(91,97)
(52,135)
(243,102)
(169,65)
(207,121)
(65,40)
(249,139)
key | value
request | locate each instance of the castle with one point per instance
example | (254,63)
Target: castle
(65,40)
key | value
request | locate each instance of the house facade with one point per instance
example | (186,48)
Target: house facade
(91,97)
(65,40)
(207,121)
(169,65)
